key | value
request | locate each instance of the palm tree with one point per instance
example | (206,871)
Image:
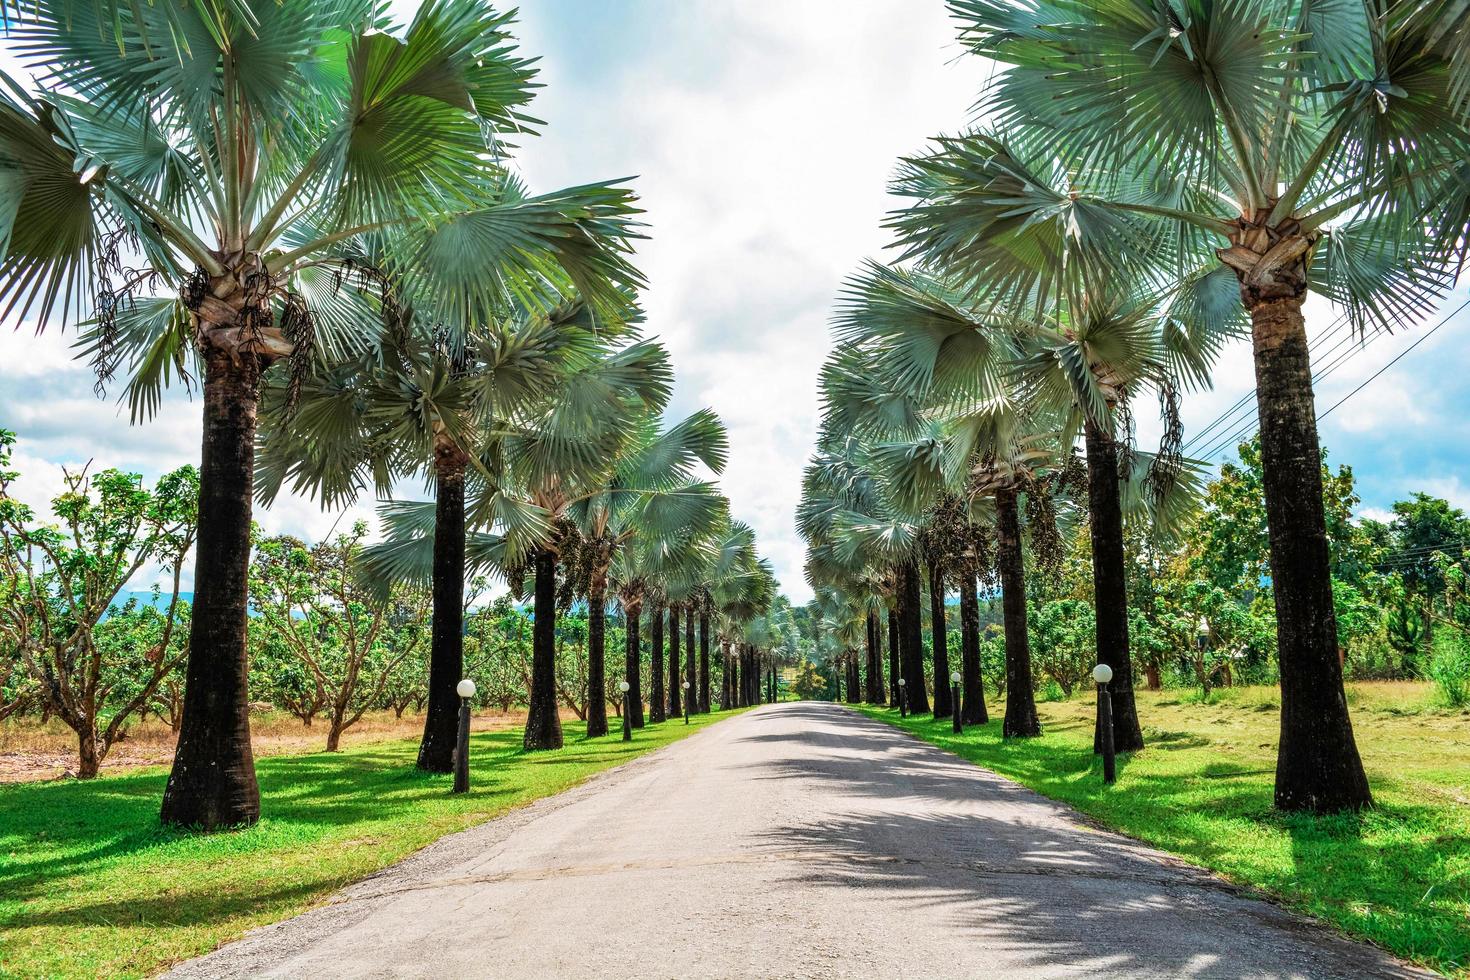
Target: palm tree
(651,496)
(1087,346)
(553,461)
(415,406)
(242,170)
(854,531)
(1314,147)
(929,379)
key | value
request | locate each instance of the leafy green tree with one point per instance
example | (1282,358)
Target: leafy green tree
(250,161)
(58,582)
(1424,531)
(498,644)
(314,600)
(808,684)
(1064,635)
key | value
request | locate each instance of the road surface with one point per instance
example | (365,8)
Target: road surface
(796,840)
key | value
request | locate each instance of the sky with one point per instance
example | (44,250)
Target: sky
(760,136)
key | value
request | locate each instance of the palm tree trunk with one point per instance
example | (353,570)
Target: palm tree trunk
(446,639)
(893,645)
(972,688)
(596,655)
(728,678)
(1021,720)
(691,673)
(657,704)
(1317,766)
(634,664)
(704,703)
(911,637)
(875,660)
(1110,587)
(854,682)
(675,709)
(212,783)
(543,722)
(939,638)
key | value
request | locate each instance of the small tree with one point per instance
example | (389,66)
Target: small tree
(809,684)
(57,583)
(313,600)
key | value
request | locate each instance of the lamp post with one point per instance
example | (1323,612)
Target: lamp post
(685,686)
(954,684)
(627,719)
(903,698)
(466,690)
(1102,673)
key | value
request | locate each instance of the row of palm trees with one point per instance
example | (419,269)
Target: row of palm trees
(1147,180)
(312,210)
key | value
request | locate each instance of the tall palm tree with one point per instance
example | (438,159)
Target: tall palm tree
(416,406)
(928,377)
(1312,147)
(241,168)
(1084,346)
(652,495)
(557,459)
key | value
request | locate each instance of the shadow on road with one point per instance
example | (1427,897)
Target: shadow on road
(1022,875)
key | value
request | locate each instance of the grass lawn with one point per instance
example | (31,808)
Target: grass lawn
(1398,875)
(90,885)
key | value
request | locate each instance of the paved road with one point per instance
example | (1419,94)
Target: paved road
(797,840)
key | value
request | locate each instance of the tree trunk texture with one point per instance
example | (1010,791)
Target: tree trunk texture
(658,704)
(446,638)
(89,753)
(691,665)
(854,682)
(675,708)
(939,637)
(875,661)
(1110,587)
(704,702)
(911,637)
(597,656)
(1317,766)
(212,783)
(1021,720)
(972,690)
(543,721)
(893,656)
(633,665)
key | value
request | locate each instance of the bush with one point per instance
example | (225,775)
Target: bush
(1449,668)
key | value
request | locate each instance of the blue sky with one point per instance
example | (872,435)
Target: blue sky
(760,136)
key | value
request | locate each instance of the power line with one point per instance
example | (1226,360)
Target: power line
(1217,445)
(1391,363)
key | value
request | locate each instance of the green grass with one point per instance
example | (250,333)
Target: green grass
(91,885)
(1398,875)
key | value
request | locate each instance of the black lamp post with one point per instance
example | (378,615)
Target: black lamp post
(1102,673)
(903,698)
(685,686)
(954,685)
(627,718)
(466,690)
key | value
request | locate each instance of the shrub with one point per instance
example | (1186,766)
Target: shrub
(1449,668)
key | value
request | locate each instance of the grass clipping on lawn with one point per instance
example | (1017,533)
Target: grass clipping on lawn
(92,886)
(1398,875)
